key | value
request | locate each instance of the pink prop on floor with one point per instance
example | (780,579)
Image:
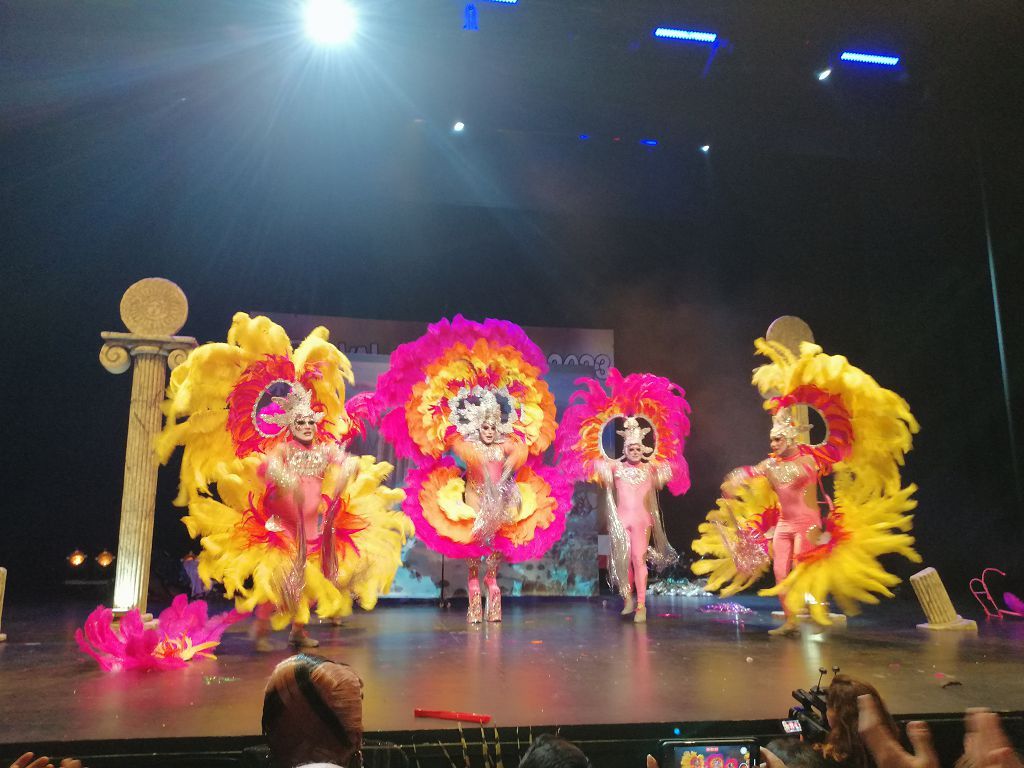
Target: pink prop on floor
(185,633)
(980,590)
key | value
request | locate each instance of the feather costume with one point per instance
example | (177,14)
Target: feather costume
(868,431)
(581,456)
(228,406)
(434,397)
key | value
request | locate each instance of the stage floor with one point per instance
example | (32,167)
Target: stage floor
(551,662)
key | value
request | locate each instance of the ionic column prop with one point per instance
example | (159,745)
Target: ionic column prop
(935,602)
(153,310)
(3,589)
(790,331)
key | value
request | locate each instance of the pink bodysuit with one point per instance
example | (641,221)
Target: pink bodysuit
(632,484)
(794,481)
(302,469)
(631,488)
(295,475)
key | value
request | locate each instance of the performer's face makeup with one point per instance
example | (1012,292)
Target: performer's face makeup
(304,429)
(782,446)
(634,453)
(488,431)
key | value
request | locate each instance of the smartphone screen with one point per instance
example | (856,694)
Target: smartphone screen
(739,754)
(792,726)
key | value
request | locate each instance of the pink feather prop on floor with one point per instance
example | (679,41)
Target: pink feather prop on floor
(185,632)
(1014,603)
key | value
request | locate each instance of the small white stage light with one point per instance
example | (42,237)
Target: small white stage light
(706,148)
(329,22)
(824,74)
(459,127)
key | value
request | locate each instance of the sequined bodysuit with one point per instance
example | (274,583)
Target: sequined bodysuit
(632,484)
(793,480)
(297,470)
(495,502)
(631,522)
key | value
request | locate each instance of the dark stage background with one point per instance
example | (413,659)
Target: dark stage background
(205,142)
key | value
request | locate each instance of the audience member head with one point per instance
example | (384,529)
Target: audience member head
(795,753)
(551,751)
(313,712)
(844,744)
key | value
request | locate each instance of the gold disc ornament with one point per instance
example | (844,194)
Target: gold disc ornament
(154,307)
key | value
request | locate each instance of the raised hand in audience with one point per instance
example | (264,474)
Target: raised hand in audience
(885,748)
(986,744)
(29,760)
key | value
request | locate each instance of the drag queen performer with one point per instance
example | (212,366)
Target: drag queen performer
(794,477)
(287,519)
(474,391)
(771,512)
(632,482)
(294,473)
(492,454)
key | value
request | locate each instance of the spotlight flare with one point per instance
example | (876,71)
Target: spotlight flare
(329,22)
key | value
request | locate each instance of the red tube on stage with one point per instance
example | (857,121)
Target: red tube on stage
(444,714)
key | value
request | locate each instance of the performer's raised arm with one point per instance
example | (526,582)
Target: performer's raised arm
(515,456)
(740,476)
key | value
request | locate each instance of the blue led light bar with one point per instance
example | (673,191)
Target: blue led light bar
(870,58)
(649,142)
(685,34)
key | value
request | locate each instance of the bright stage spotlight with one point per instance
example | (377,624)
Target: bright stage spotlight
(687,35)
(706,148)
(329,22)
(870,58)
(824,74)
(459,127)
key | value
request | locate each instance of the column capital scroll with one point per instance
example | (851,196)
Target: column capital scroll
(120,348)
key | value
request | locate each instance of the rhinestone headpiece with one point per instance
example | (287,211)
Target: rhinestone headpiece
(471,408)
(296,404)
(783,425)
(632,433)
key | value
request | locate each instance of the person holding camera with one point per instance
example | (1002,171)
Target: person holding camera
(844,746)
